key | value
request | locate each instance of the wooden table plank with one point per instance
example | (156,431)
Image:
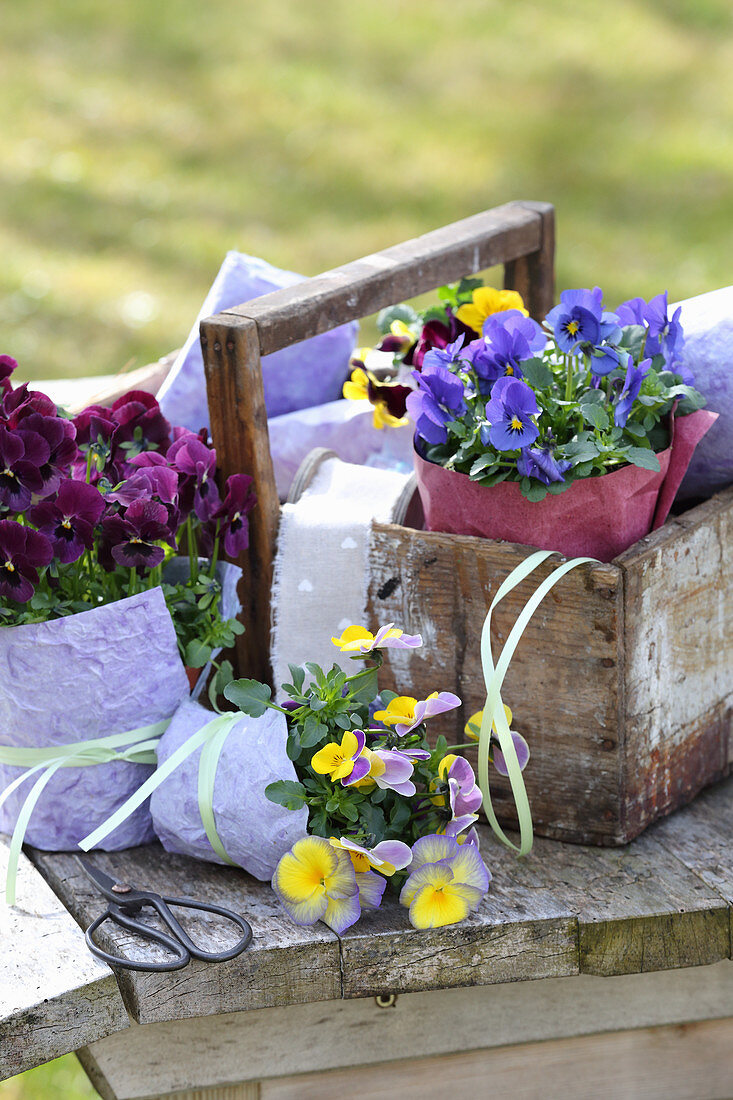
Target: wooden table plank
(284,965)
(54,996)
(565,909)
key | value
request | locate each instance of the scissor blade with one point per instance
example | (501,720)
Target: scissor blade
(98,877)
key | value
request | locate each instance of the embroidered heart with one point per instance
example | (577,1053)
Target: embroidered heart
(305,586)
(348,544)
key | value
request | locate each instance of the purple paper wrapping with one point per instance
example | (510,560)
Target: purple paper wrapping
(102,672)
(296,377)
(707,321)
(254,831)
(345,427)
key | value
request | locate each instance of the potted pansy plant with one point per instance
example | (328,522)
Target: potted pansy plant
(112,533)
(372,804)
(591,406)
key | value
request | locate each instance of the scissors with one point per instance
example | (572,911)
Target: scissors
(126,902)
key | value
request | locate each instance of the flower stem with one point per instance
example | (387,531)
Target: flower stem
(569,377)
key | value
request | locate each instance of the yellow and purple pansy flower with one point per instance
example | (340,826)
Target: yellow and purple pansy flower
(386,857)
(359,640)
(446,883)
(405,713)
(345,761)
(314,881)
(472,729)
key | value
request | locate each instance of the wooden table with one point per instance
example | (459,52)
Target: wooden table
(606,951)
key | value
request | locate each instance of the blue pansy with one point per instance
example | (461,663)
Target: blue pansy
(579,320)
(444,357)
(438,400)
(510,413)
(632,384)
(539,462)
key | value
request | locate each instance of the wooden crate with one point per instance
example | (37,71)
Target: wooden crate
(623,682)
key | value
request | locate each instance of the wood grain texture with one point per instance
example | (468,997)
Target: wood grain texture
(690,1062)
(561,910)
(285,964)
(54,996)
(678,596)
(564,683)
(238,419)
(533,275)
(250,1046)
(357,289)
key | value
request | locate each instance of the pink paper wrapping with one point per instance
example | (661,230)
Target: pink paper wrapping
(597,517)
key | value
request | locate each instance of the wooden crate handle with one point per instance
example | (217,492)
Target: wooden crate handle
(519,235)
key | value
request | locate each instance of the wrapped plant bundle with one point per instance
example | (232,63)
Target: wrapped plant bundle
(253,831)
(94,629)
(101,673)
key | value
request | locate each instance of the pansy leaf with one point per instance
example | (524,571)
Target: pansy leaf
(401,312)
(537,374)
(250,696)
(297,675)
(313,731)
(646,459)
(366,688)
(596,415)
(534,491)
(350,811)
(197,653)
(287,793)
(493,479)
(483,462)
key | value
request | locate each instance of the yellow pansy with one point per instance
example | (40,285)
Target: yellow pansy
(382,417)
(315,882)
(472,728)
(357,639)
(339,761)
(357,388)
(488,300)
(399,711)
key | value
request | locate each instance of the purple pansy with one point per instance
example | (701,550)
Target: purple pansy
(509,338)
(438,400)
(147,483)
(632,312)
(437,334)
(22,454)
(632,385)
(464,795)
(232,515)
(509,412)
(539,462)
(23,552)
(665,334)
(520,747)
(197,463)
(139,425)
(131,538)
(22,402)
(69,520)
(60,435)
(445,356)
(7,366)
(393,771)
(579,320)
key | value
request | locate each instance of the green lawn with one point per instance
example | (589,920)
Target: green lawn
(142,140)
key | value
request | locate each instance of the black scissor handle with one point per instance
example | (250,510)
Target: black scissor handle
(161,906)
(182,955)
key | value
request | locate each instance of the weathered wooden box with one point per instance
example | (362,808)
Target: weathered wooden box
(623,682)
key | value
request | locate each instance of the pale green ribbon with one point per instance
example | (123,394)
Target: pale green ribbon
(212,737)
(135,746)
(493,713)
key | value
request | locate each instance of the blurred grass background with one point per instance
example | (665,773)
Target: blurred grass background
(141,141)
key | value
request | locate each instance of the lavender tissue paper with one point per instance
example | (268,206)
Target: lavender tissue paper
(104,671)
(305,374)
(254,831)
(707,321)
